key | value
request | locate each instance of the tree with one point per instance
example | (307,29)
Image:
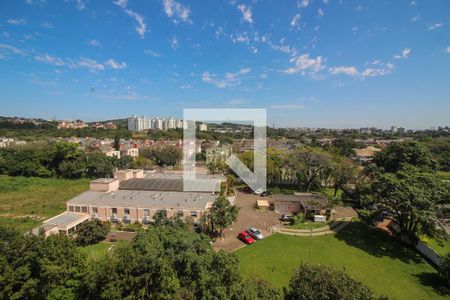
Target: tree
(91,232)
(163,155)
(165,262)
(258,289)
(222,214)
(311,165)
(99,165)
(345,146)
(39,268)
(411,197)
(396,155)
(117,143)
(344,171)
(311,282)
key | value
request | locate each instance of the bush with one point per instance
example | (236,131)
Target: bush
(91,232)
(322,282)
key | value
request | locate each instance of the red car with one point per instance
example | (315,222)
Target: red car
(246,237)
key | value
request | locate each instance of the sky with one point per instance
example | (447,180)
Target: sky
(316,63)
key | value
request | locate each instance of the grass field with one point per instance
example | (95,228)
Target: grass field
(308,225)
(368,255)
(442,247)
(96,251)
(26,201)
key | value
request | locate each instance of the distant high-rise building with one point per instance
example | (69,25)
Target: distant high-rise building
(203,127)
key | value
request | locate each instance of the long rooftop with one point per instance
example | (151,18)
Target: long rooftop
(145,199)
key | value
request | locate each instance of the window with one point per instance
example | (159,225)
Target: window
(77,209)
(71,208)
(146,212)
(194,214)
(95,210)
(114,210)
(84,209)
(126,211)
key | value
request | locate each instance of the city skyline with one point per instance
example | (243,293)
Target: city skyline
(323,64)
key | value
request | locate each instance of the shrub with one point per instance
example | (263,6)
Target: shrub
(91,232)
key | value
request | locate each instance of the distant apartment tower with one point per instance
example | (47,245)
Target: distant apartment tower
(202,127)
(139,123)
(136,123)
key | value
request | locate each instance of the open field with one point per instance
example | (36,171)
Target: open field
(26,201)
(368,255)
(96,251)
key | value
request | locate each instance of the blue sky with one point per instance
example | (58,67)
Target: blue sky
(316,63)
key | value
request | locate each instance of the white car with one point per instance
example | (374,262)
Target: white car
(258,192)
(255,233)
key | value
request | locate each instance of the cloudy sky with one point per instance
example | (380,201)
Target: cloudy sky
(316,63)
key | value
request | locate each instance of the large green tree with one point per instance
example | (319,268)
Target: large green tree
(311,166)
(396,155)
(91,232)
(411,196)
(314,282)
(221,215)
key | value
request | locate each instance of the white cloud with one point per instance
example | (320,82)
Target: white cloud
(303,3)
(229,80)
(90,64)
(320,13)
(7,50)
(448,49)
(115,65)
(415,18)
(141,28)
(351,71)
(305,65)
(405,54)
(80,4)
(48,59)
(246,13)
(47,24)
(435,26)
(287,106)
(152,53)
(174,9)
(382,71)
(94,43)
(16,21)
(237,101)
(295,20)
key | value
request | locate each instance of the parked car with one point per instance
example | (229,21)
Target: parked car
(286,218)
(264,194)
(255,233)
(258,192)
(246,237)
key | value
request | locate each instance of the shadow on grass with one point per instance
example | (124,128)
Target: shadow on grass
(377,243)
(434,281)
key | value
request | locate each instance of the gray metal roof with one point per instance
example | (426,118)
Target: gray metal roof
(65,219)
(174,185)
(144,199)
(308,201)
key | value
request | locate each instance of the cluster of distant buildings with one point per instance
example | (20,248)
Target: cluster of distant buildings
(140,123)
(78,124)
(6,142)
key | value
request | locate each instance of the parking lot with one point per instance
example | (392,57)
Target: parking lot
(247,217)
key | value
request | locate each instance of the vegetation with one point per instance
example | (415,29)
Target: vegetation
(370,256)
(61,159)
(221,215)
(91,232)
(163,155)
(311,282)
(444,270)
(26,201)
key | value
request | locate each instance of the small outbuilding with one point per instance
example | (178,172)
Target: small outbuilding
(299,202)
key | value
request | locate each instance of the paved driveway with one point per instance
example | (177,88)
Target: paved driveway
(247,217)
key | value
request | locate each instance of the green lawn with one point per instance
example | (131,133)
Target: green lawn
(308,225)
(368,255)
(442,247)
(444,175)
(96,251)
(26,201)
